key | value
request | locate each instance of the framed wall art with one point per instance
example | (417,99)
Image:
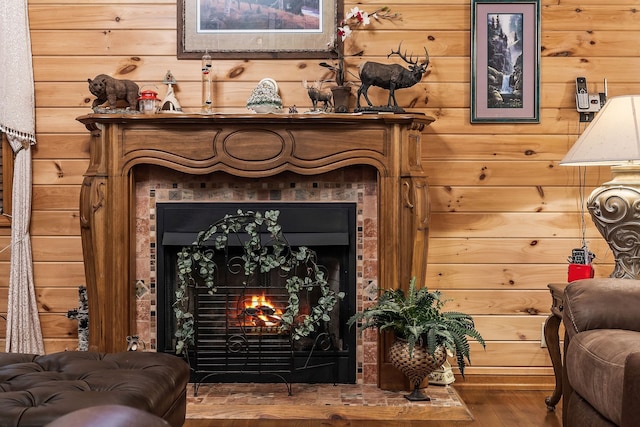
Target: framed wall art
(250,29)
(505,61)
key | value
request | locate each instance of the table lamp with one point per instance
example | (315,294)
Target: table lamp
(613,139)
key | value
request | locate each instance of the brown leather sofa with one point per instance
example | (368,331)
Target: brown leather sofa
(37,390)
(601,371)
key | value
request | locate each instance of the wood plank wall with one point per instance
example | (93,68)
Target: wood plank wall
(505,215)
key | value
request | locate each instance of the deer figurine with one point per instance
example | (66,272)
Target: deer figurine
(391,77)
(316,95)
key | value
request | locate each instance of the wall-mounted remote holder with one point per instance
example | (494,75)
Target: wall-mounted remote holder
(587,103)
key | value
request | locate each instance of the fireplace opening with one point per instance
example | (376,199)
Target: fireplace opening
(238,327)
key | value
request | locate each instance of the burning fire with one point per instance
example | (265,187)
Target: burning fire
(261,312)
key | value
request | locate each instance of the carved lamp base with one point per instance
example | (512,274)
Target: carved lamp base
(615,210)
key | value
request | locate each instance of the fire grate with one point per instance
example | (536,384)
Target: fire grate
(232,337)
(238,332)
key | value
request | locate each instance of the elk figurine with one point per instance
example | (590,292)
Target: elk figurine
(390,77)
(316,95)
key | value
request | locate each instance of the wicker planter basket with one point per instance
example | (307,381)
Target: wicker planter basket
(416,366)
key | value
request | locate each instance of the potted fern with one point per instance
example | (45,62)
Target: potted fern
(424,332)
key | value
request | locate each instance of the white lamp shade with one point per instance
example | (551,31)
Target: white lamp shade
(612,138)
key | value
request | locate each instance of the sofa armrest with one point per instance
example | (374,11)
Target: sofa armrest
(603,303)
(631,391)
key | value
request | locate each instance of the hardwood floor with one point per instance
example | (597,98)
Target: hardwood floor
(493,407)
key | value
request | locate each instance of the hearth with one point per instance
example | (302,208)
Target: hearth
(237,329)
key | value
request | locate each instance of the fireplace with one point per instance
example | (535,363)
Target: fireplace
(237,328)
(251,146)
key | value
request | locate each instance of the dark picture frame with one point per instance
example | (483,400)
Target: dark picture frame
(505,61)
(257,29)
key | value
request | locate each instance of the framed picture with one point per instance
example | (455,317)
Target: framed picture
(505,61)
(251,29)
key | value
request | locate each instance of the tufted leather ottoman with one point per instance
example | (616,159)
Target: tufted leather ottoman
(35,390)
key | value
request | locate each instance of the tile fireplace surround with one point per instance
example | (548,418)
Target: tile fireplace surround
(378,153)
(353,184)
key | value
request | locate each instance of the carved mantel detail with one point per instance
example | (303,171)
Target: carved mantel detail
(245,145)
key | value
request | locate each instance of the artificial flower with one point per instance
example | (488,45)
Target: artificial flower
(360,15)
(344,32)
(356,17)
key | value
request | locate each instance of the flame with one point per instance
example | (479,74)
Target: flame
(259,301)
(260,304)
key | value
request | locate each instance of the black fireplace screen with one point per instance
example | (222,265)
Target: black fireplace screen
(237,329)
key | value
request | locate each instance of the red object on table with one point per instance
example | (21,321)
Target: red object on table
(580,271)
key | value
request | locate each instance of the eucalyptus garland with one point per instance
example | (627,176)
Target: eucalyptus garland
(196,266)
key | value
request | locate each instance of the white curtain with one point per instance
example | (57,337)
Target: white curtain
(17,121)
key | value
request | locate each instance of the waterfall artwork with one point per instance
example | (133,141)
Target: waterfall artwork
(505,61)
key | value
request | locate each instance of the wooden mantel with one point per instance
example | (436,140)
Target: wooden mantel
(245,145)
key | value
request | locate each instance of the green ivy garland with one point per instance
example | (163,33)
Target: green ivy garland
(304,274)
